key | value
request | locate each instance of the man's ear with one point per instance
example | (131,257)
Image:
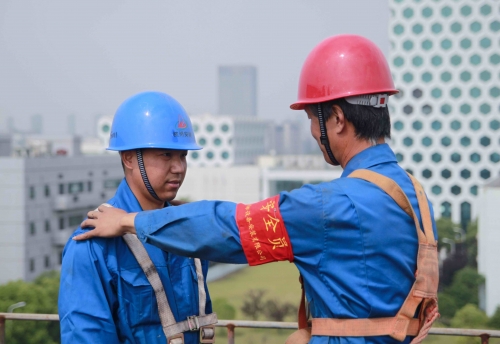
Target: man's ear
(337,120)
(128,159)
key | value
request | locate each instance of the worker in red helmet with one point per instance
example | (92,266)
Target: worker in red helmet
(365,243)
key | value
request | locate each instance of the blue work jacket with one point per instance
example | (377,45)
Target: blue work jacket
(354,246)
(105,297)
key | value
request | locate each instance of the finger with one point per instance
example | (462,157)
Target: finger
(104,206)
(88,223)
(84,236)
(90,215)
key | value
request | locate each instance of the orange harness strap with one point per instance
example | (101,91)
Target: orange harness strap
(423,291)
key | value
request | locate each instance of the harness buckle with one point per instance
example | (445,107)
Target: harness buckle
(193,323)
(207,334)
(176,339)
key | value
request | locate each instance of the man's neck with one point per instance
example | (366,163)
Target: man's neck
(355,147)
(147,202)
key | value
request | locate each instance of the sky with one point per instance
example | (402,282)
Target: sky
(83,58)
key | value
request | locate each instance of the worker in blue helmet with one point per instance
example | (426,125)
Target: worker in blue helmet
(121,290)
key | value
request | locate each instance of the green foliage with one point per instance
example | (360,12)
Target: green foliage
(447,306)
(470,316)
(494,321)
(471,244)
(40,297)
(465,287)
(445,230)
(223,309)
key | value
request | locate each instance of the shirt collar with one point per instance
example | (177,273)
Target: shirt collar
(369,157)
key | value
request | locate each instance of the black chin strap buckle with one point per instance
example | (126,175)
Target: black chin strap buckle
(323,140)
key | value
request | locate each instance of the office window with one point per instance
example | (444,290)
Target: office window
(75,220)
(61,189)
(32,192)
(32,228)
(47,226)
(32,265)
(61,223)
(47,262)
(47,190)
(75,187)
(112,183)
(89,186)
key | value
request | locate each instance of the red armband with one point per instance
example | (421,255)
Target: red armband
(262,232)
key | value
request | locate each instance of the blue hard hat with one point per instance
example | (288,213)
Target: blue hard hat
(151,120)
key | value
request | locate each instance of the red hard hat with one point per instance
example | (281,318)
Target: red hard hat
(342,66)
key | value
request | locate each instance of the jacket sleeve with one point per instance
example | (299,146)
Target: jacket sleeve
(227,232)
(86,297)
(205,229)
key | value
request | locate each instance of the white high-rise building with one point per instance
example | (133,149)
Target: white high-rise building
(445,59)
(42,201)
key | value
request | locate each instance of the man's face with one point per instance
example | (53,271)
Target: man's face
(166,169)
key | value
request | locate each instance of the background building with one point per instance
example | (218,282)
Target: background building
(228,140)
(488,242)
(43,200)
(238,90)
(286,137)
(446,129)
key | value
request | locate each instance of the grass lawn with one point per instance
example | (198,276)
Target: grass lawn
(279,280)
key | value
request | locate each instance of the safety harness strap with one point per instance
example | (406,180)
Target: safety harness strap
(193,323)
(358,327)
(424,290)
(173,330)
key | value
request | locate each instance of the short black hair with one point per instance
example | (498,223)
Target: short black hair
(369,122)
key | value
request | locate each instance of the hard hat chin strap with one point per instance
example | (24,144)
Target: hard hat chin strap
(324,136)
(145,179)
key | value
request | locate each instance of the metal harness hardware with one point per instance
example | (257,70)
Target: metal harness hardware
(174,331)
(193,320)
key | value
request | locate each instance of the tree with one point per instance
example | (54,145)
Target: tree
(445,230)
(494,321)
(40,297)
(471,244)
(253,304)
(470,316)
(277,311)
(465,287)
(447,306)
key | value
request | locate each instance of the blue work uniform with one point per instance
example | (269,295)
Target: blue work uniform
(105,297)
(354,246)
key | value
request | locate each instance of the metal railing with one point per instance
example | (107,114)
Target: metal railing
(231,325)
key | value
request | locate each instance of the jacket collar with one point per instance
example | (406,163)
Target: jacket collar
(125,198)
(375,155)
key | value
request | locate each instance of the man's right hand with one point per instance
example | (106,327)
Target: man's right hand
(108,222)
